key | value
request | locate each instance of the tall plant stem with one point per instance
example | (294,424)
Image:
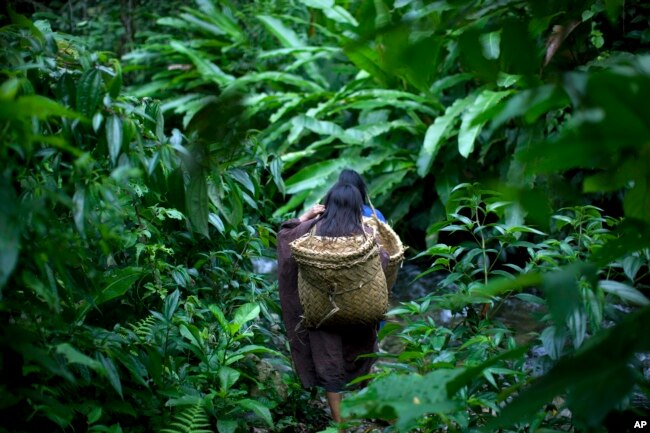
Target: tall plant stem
(485,263)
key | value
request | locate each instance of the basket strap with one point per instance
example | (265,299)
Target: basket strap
(335,308)
(312,230)
(374,211)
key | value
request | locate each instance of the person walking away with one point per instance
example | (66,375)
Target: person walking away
(325,357)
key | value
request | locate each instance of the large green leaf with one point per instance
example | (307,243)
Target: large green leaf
(438,132)
(227,425)
(280,77)
(89,92)
(332,11)
(258,409)
(79,209)
(405,397)
(117,283)
(115,84)
(197,202)
(201,22)
(244,313)
(114,136)
(220,317)
(191,333)
(314,175)
(207,69)
(625,292)
(228,377)
(530,104)
(367,59)
(321,127)
(112,373)
(469,129)
(289,39)
(222,20)
(73,356)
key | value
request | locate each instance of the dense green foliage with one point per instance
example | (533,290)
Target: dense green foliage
(117,219)
(507,141)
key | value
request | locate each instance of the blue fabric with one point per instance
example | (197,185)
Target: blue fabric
(366,211)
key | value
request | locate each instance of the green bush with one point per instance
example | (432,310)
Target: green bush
(128,293)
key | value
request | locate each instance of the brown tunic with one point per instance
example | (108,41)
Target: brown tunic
(326,357)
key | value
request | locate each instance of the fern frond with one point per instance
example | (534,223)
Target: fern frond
(144,328)
(191,419)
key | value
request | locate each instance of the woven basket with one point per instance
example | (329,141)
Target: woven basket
(340,280)
(389,240)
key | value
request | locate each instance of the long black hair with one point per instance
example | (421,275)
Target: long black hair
(354,178)
(342,216)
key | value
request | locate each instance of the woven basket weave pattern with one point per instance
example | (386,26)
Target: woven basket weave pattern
(340,280)
(392,244)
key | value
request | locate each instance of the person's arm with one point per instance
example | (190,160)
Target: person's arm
(312,212)
(287,226)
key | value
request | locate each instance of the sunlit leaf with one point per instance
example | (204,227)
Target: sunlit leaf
(114,134)
(469,129)
(438,132)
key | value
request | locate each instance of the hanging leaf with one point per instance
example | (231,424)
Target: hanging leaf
(114,136)
(469,129)
(79,209)
(276,172)
(243,178)
(216,222)
(258,409)
(197,202)
(625,292)
(193,334)
(112,373)
(171,303)
(89,92)
(439,131)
